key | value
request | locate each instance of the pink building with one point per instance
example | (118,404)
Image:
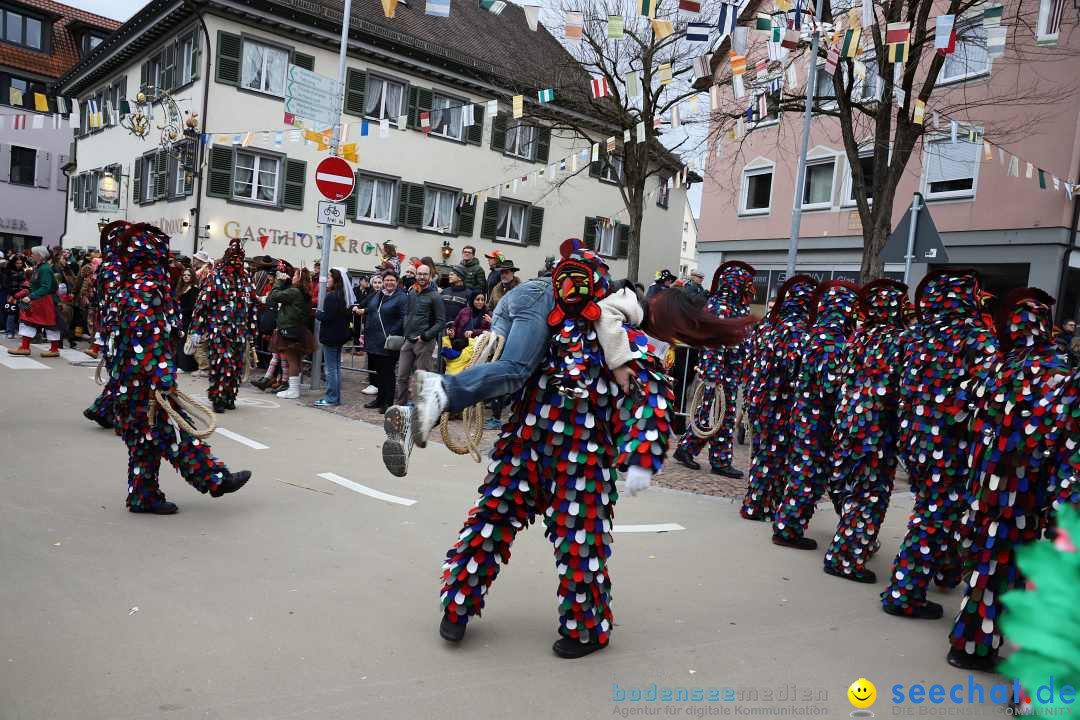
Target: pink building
(1011,229)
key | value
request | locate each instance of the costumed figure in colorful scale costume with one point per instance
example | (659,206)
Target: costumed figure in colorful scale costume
(865,429)
(106,281)
(948,346)
(817,393)
(140,363)
(225,314)
(775,356)
(721,370)
(571,430)
(1015,432)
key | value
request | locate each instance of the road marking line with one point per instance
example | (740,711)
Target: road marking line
(17,362)
(656,528)
(253,444)
(365,490)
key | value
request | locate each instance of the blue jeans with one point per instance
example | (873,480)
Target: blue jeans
(332,363)
(521,318)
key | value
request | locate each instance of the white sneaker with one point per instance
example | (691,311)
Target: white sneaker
(398,424)
(293,391)
(370,390)
(430,401)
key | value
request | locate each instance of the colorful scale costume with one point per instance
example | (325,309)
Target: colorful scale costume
(773,368)
(105,298)
(140,361)
(1015,430)
(948,346)
(225,315)
(557,456)
(817,392)
(865,429)
(732,291)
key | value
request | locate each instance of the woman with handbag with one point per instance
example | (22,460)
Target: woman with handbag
(383,337)
(292,338)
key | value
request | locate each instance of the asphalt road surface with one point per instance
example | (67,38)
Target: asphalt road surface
(313,592)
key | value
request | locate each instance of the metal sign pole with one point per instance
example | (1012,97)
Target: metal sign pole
(324,264)
(916,206)
(800,175)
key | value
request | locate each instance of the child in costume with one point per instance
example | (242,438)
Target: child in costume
(140,362)
(775,356)
(225,315)
(949,345)
(864,432)
(817,392)
(1013,476)
(721,369)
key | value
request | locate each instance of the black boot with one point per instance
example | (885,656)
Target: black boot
(799,543)
(866,576)
(981,663)
(230,404)
(158,507)
(728,472)
(102,421)
(570,649)
(451,631)
(926,611)
(261,383)
(231,484)
(373,404)
(219,407)
(684,458)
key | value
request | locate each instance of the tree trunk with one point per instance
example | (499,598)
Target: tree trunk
(875,237)
(633,253)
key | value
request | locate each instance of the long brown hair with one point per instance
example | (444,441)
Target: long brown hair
(305,281)
(671,316)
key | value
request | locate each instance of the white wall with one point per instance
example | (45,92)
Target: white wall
(408,154)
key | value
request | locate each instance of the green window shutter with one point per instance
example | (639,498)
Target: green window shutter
(466,218)
(161,174)
(498,133)
(543,144)
(351,201)
(420,100)
(410,204)
(229,49)
(196,55)
(403,202)
(170,173)
(622,240)
(490,222)
(535,226)
(169,66)
(475,132)
(304,61)
(137,181)
(76,193)
(588,236)
(295,180)
(144,77)
(355,85)
(220,167)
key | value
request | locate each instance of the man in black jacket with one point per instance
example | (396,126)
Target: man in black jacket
(475,278)
(425,317)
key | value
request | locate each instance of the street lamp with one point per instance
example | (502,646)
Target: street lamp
(102,223)
(447,250)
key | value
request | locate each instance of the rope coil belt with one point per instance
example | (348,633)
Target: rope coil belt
(488,348)
(187,404)
(697,398)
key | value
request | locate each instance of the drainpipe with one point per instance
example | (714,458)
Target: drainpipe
(1066,260)
(197,220)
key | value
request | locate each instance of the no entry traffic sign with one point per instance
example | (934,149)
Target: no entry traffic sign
(334,178)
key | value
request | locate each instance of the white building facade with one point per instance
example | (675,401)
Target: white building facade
(688,248)
(415,189)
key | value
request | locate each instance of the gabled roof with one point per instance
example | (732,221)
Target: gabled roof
(66,22)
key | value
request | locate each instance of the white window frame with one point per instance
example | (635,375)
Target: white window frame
(612,170)
(605,238)
(872,80)
(1049,11)
(149,165)
(513,207)
(403,104)
(744,187)
(817,162)
(847,199)
(452,105)
(951,194)
(255,176)
(33,167)
(969,25)
(769,120)
(442,195)
(376,181)
(824,102)
(528,143)
(185,51)
(264,86)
